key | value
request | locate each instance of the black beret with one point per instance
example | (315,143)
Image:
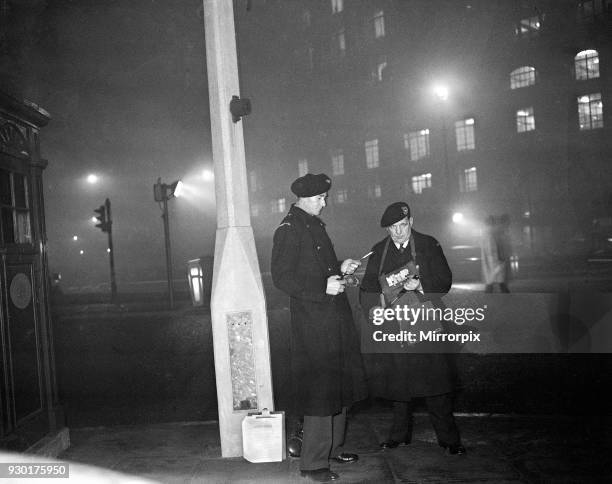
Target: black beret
(394,213)
(310,185)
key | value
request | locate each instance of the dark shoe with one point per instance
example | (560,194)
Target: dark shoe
(392,444)
(454,449)
(320,475)
(345,458)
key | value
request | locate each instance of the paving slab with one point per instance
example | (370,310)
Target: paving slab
(501,449)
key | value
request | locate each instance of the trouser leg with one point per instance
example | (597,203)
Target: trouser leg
(338,432)
(440,408)
(401,428)
(317,442)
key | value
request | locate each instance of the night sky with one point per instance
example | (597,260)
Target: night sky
(125,84)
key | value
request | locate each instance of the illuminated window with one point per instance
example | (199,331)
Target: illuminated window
(464,131)
(379,69)
(379,24)
(590,111)
(302,167)
(371,152)
(277,205)
(253,180)
(417,144)
(374,190)
(341,195)
(15,226)
(529,27)
(522,77)
(339,44)
(525,120)
(337,6)
(338,162)
(468,182)
(421,182)
(586,64)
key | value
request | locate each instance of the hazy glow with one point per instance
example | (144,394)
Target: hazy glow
(441,92)
(458,218)
(92,178)
(208,175)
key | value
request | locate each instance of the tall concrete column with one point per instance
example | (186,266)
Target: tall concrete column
(239,320)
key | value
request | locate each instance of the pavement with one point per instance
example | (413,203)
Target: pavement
(501,449)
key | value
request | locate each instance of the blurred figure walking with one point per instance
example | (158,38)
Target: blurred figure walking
(495,253)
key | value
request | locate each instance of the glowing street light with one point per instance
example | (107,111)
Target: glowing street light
(458,218)
(163,192)
(207,175)
(441,92)
(75,237)
(92,179)
(81,251)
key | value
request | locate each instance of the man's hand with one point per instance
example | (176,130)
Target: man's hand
(349,266)
(413,284)
(335,285)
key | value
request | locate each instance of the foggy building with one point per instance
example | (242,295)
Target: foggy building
(348,88)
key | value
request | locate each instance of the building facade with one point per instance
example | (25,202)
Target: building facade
(463,109)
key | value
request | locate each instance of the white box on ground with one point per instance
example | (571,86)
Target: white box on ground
(263,436)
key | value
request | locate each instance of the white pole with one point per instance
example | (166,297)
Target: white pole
(239,320)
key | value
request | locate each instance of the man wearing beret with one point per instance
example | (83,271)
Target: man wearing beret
(401,377)
(325,355)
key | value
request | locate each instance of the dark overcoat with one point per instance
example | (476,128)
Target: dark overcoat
(325,357)
(401,376)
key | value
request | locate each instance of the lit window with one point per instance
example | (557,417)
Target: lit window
(253,180)
(421,182)
(374,190)
(15,226)
(590,111)
(522,77)
(339,43)
(468,182)
(338,162)
(371,151)
(417,143)
(529,27)
(278,205)
(464,131)
(337,6)
(341,195)
(254,210)
(586,64)
(525,120)
(302,167)
(379,24)
(379,69)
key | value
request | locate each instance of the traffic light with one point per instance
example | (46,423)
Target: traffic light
(101,218)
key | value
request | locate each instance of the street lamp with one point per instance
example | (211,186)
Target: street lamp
(163,192)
